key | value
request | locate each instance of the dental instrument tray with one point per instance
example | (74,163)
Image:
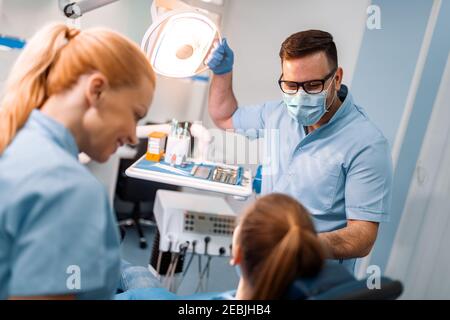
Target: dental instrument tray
(208,176)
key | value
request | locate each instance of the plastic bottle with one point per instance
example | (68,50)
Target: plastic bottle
(173,127)
(186,130)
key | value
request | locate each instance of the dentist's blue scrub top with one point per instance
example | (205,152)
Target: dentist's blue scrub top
(340,171)
(58,234)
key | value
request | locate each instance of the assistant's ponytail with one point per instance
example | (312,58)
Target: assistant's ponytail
(54,60)
(26,86)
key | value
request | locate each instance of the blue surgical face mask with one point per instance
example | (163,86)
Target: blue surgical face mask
(307,108)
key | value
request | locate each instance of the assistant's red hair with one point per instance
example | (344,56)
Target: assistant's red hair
(53,61)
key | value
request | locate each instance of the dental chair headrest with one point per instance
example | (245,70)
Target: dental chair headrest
(331,276)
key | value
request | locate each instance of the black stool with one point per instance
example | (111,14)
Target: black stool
(137,192)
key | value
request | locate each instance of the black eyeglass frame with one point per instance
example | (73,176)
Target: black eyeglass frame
(302,84)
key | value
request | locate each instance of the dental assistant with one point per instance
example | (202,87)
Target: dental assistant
(70,91)
(328,154)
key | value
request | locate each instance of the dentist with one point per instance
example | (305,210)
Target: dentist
(330,156)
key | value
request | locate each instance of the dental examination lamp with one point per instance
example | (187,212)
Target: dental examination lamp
(179,40)
(75,10)
(178,44)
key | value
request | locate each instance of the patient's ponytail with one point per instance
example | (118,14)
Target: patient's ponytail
(279,244)
(26,86)
(53,61)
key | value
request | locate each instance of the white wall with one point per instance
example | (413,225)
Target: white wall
(22,18)
(420,256)
(401,103)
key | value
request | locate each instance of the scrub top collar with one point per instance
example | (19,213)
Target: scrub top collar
(55,131)
(344,109)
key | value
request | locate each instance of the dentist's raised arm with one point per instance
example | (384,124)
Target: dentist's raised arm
(222,102)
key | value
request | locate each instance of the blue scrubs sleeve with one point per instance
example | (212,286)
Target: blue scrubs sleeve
(63,230)
(250,120)
(368,184)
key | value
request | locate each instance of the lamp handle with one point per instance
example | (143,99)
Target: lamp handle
(168,5)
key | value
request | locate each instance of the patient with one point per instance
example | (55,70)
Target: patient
(274,244)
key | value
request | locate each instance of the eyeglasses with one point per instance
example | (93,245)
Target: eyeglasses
(311,86)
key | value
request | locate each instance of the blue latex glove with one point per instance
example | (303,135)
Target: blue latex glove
(164,294)
(147,294)
(222,59)
(257,182)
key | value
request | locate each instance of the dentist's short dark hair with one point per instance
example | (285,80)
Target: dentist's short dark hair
(304,43)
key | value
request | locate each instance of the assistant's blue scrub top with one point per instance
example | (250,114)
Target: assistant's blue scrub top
(343,170)
(58,233)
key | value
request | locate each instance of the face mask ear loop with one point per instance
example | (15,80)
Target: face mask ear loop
(327,109)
